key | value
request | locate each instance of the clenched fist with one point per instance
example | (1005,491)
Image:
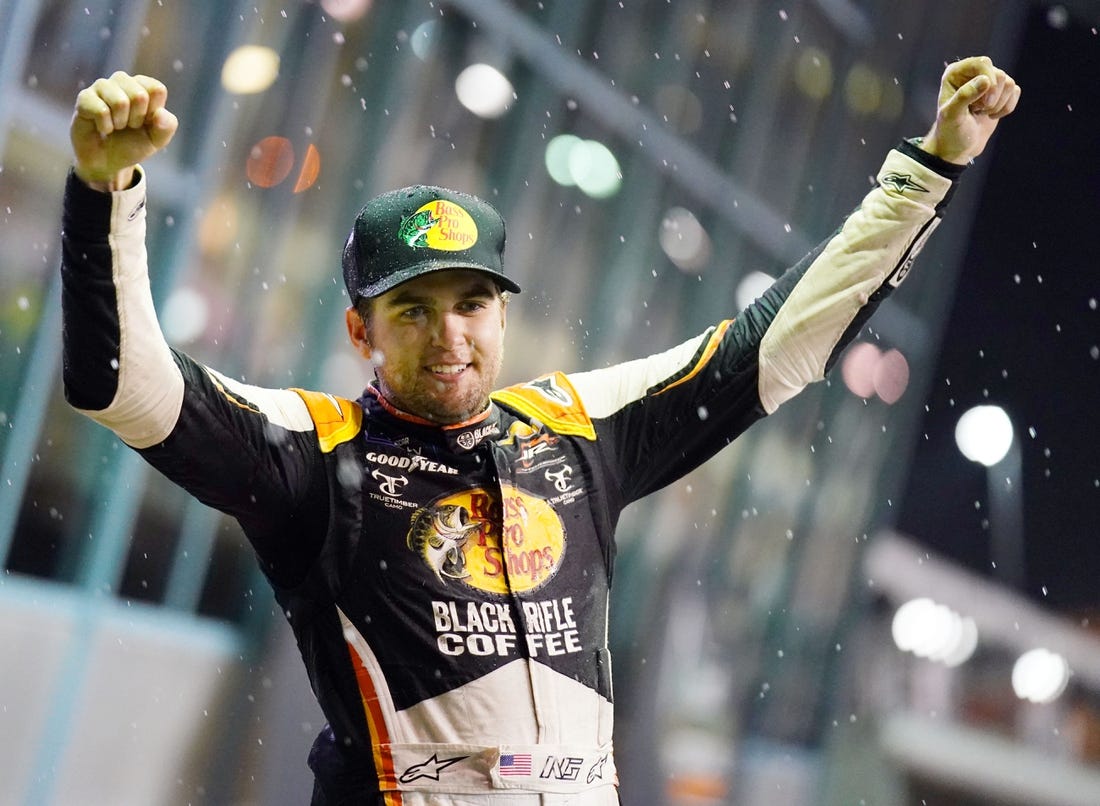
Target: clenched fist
(117,123)
(974,96)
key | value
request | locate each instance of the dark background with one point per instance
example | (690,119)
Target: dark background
(1024,332)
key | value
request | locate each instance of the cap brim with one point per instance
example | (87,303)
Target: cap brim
(428,267)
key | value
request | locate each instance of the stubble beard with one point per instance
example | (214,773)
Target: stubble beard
(428,398)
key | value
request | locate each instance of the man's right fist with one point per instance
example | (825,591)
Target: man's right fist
(117,123)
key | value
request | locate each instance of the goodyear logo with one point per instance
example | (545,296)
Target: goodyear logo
(439,225)
(514,543)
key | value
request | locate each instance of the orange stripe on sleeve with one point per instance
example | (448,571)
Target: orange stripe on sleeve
(708,353)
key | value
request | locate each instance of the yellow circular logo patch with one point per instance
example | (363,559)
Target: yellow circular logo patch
(439,225)
(492,545)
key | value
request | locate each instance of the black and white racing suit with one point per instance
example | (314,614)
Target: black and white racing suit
(448,586)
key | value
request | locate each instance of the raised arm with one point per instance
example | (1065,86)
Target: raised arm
(664,415)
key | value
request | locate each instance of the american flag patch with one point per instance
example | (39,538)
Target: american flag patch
(515,764)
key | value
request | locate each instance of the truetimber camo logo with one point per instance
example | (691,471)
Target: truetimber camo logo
(439,225)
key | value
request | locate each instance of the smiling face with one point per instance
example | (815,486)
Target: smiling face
(436,341)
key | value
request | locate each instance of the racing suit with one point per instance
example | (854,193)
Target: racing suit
(448,586)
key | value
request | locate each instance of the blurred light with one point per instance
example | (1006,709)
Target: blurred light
(893,101)
(891,376)
(218,226)
(813,73)
(345,10)
(862,89)
(680,107)
(1057,17)
(588,164)
(484,90)
(683,239)
(868,371)
(270,161)
(1040,676)
(984,434)
(311,169)
(184,316)
(595,169)
(424,38)
(557,158)
(752,287)
(250,69)
(934,631)
(858,369)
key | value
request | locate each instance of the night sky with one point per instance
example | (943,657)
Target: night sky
(1025,328)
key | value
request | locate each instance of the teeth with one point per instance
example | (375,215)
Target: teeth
(447,369)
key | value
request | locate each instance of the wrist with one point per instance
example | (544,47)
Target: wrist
(931,144)
(106,183)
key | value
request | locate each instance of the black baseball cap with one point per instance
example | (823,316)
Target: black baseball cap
(415,230)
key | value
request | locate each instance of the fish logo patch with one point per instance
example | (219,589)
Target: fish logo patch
(441,225)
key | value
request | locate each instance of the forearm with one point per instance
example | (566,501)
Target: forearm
(845,280)
(117,367)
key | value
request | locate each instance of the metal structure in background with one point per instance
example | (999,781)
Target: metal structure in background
(734,586)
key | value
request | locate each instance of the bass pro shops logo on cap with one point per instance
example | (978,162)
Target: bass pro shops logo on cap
(439,225)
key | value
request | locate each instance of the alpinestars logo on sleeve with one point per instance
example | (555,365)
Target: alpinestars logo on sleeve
(902,182)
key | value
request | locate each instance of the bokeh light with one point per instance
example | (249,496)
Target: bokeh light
(813,73)
(184,315)
(250,69)
(863,89)
(595,169)
(311,169)
(270,161)
(484,90)
(891,376)
(346,10)
(1040,676)
(557,158)
(218,227)
(934,631)
(857,370)
(867,372)
(588,164)
(984,434)
(684,240)
(424,39)
(751,287)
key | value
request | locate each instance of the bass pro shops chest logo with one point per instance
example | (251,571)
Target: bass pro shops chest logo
(495,546)
(439,225)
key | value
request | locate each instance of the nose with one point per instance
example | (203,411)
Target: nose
(450,331)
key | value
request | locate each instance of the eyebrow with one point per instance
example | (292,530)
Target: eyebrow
(476,288)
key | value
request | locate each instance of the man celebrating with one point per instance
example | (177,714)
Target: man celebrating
(442,551)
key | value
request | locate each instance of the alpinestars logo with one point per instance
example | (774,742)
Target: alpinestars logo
(902,182)
(429,769)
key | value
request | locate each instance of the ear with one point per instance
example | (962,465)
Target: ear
(357,332)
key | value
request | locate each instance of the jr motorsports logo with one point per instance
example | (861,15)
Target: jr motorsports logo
(515,543)
(439,225)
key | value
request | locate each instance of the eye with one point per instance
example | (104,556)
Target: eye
(471,305)
(414,312)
